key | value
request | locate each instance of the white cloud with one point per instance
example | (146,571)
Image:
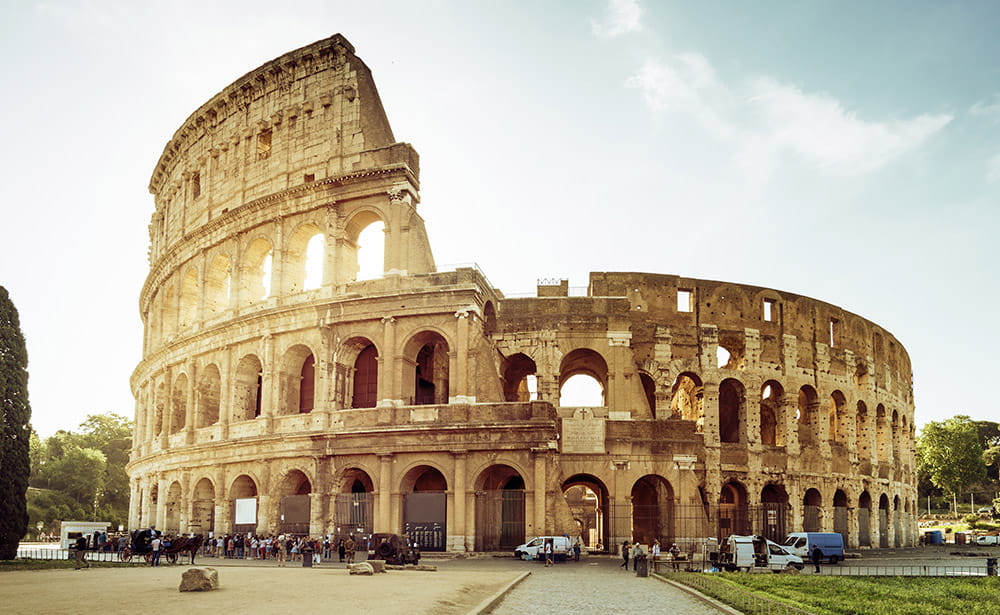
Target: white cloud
(764,118)
(987,108)
(993,169)
(622,17)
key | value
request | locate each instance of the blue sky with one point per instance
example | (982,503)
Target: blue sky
(849,151)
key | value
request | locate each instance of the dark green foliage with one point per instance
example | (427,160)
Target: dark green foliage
(81,476)
(15,431)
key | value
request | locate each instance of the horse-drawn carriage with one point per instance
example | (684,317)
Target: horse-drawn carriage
(141,544)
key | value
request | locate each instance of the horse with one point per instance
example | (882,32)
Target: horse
(184,544)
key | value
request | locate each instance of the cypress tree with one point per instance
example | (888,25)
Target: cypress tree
(15,414)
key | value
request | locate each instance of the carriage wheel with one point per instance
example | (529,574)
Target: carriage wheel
(171,558)
(125,555)
(148,556)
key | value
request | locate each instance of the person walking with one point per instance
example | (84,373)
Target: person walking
(156,546)
(626,548)
(816,555)
(636,552)
(548,552)
(81,553)
(349,549)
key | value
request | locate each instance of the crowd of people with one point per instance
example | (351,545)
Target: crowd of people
(635,550)
(283,548)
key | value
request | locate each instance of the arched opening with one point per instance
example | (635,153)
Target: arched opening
(808,405)
(209,393)
(518,372)
(686,401)
(583,377)
(587,498)
(894,429)
(298,380)
(730,353)
(652,510)
(354,504)
(772,416)
(295,503)
(363,252)
(173,509)
(243,495)
(247,389)
(864,520)
(365,387)
(202,508)
(774,512)
(649,390)
(427,356)
(812,511)
(425,507)
(499,509)
(218,282)
(255,273)
(734,511)
(840,514)
(732,408)
(178,419)
(189,299)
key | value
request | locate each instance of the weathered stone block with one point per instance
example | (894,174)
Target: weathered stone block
(364,568)
(199,580)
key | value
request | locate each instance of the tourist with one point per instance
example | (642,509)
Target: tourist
(626,547)
(576,550)
(675,556)
(340,549)
(816,555)
(349,549)
(81,553)
(156,546)
(636,552)
(548,552)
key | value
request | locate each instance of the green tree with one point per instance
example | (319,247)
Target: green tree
(950,455)
(15,430)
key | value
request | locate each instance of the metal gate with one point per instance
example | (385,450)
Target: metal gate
(840,521)
(499,519)
(773,520)
(810,518)
(864,527)
(353,513)
(883,528)
(295,514)
(425,519)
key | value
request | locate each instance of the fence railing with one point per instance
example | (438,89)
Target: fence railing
(49,553)
(736,597)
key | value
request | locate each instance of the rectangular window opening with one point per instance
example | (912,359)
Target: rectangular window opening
(309,178)
(684,299)
(834,332)
(770,309)
(196,185)
(264,144)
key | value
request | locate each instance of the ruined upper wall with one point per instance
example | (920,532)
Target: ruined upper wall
(307,116)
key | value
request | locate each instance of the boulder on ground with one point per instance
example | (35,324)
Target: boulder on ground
(361,568)
(199,580)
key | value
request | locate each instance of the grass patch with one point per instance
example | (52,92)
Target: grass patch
(829,595)
(10,565)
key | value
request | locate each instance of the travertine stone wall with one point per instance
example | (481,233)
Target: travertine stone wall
(367,403)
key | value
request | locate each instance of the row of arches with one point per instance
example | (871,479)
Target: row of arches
(267,266)
(179,403)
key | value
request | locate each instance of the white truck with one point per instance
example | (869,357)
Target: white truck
(754,553)
(534,548)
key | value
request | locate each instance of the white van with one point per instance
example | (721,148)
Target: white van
(754,553)
(831,544)
(533,549)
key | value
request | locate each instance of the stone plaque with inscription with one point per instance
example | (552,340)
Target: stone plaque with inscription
(583,434)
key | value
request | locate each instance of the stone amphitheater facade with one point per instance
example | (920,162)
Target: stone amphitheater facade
(274,398)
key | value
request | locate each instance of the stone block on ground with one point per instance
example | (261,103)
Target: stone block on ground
(377,564)
(361,568)
(199,580)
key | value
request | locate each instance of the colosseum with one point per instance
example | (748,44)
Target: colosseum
(281,391)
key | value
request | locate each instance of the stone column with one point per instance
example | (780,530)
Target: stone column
(383,513)
(316,514)
(541,457)
(161,502)
(459,536)
(191,401)
(389,391)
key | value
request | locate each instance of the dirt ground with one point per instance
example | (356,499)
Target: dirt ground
(249,590)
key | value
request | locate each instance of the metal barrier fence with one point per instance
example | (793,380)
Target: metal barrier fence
(68,554)
(908,571)
(736,597)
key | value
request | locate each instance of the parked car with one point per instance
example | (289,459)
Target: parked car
(394,549)
(985,510)
(533,548)
(987,540)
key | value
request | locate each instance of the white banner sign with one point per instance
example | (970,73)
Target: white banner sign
(246,511)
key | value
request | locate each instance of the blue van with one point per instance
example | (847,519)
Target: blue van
(802,543)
